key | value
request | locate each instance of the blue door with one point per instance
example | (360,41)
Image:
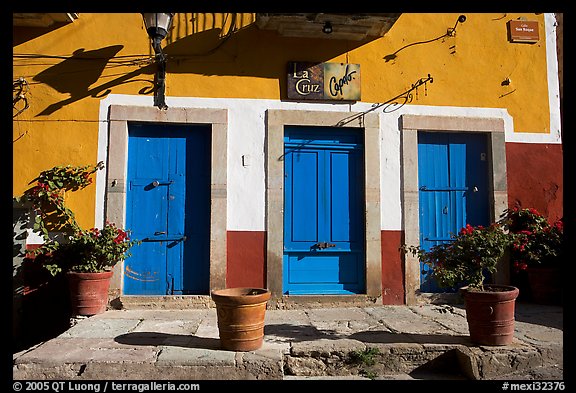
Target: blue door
(168,209)
(323,211)
(453,184)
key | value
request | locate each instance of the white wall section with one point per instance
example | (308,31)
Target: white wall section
(246,133)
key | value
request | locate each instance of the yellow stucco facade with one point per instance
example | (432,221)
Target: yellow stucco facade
(71,68)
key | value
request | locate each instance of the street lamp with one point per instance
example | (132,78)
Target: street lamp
(157,26)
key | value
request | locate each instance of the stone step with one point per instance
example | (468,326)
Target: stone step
(351,358)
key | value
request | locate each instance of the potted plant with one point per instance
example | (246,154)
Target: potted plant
(536,253)
(85,256)
(241,313)
(466,263)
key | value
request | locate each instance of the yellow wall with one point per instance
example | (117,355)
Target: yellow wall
(209,59)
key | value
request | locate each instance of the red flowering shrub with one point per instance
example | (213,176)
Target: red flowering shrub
(473,252)
(92,250)
(535,242)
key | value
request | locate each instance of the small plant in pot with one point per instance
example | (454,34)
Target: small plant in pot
(86,256)
(466,262)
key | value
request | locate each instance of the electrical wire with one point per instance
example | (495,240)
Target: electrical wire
(19,90)
(135,59)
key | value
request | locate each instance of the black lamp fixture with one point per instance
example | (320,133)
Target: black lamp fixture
(327,28)
(452,32)
(157,26)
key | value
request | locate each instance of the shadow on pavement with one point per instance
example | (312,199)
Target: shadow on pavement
(155,339)
(299,333)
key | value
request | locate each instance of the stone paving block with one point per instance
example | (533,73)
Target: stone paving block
(47,371)
(403,319)
(100,328)
(538,334)
(335,378)
(305,366)
(208,327)
(185,315)
(341,329)
(264,361)
(83,350)
(283,316)
(175,327)
(449,316)
(181,356)
(381,335)
(272,343)
(487,362)
(326,347)
(338,314)
(540,314)
(288,331)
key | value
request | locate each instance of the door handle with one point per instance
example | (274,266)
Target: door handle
(165,239)
(158,233)
(156,183)
(323,245)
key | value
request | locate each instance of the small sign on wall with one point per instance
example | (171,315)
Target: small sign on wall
(323,81)
(523,31)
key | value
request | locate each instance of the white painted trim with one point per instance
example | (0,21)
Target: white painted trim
(553,81)
(246,136)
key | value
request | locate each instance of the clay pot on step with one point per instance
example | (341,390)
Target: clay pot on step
(490,313)
(241,313)
(88,292)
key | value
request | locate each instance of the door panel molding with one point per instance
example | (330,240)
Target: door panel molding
(276,120)
(324,211)
(497,193)
(117,158)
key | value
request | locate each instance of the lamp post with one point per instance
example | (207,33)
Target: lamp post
(157,26)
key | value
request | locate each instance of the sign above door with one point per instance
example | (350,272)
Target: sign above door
(323,81)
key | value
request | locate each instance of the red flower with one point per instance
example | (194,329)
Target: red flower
(519,266)
(120,237)
(559,225)
(467,230)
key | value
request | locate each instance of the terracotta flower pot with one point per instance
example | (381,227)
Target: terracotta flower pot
(490,314)
(241,313)
(88,292)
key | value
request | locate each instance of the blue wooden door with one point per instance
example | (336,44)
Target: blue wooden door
(168,209)
(453,184)
(323,211)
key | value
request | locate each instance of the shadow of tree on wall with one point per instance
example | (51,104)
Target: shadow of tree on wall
(245,51)
(250,52)
(75,75)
